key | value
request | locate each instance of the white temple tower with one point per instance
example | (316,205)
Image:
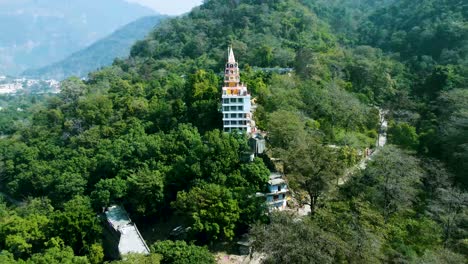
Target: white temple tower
(237,107)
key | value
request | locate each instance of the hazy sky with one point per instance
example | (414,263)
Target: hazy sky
(170,7)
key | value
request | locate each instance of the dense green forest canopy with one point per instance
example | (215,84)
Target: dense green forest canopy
(145,133)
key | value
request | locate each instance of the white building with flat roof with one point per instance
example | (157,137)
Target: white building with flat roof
(121,235)
(278,192)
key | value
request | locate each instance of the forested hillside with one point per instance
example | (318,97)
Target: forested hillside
(145,133)
(37,33)
(431,37)
(100,54)
(346,17)
(435,29)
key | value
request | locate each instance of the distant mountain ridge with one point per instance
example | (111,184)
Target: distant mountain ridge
(37,33)
(100,54)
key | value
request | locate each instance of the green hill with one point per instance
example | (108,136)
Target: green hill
(146,133)
(435,29)
(99,54)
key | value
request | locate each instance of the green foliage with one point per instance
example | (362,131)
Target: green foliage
(96,254)
(432,28)
(16,111)
(374,76)
(23,235)
(7,258)
(440,256)
(404,135)
(79,222)
(203,95)
(451,211)
(313,168)
(285,129)
(179,252)
(222,154)
(391,181)
(345,17)
(453,127)
(324,109)
(53,255)
(256,174)
(280,24)
(358,225)
(411,237)
(38,233)
(349,156)
(140,259)
(145,133)
(211,211)
(146,190)
(108,191)
(283,241)
(57,256)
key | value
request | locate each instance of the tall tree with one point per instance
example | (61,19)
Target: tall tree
(290,240)
(182,253)
(77,225)
(450,209)
(211,211)
(358,224)
(146,190)
(391,181)
(202,99)
(313,168)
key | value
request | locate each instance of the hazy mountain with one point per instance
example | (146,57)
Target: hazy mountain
(99,54)
(36,33)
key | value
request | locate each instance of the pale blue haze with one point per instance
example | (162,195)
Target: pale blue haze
(170,7)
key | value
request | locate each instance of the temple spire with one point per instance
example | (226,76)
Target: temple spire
(231,58)
(237,106)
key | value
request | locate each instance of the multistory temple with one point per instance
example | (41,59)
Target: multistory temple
(236,100)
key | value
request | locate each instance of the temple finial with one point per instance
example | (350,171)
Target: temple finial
(231,58)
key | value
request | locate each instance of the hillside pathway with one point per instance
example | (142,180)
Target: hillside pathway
(381,142)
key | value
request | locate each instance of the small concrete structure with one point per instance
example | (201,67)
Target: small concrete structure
(278,193)
(257,143)
(121,236)
(245,245)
